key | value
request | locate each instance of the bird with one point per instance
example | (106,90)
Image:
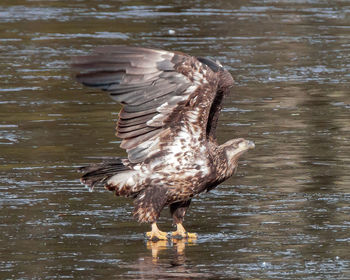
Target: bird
(171,103)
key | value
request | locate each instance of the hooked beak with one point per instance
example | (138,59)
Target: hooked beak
(251,145)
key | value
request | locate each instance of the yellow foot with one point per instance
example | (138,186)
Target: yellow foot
(156,234)
(182,233)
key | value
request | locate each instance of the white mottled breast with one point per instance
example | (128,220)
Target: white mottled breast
(184,156)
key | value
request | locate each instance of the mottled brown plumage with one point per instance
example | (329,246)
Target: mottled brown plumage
(171,104)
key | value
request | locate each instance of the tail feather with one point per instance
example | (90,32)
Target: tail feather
(96,174)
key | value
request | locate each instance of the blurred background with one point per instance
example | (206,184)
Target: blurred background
(285,215)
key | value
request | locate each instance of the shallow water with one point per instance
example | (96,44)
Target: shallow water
(285,215)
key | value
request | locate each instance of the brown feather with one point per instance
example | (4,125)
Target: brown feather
(130,143)
(134,121)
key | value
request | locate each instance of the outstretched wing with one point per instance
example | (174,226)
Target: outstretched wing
(154,87)
(225,82)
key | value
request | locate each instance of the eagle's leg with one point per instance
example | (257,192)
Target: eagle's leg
(178,211)
(156,234)
(148,205)
(182,233)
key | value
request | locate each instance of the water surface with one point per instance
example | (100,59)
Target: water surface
(285,215)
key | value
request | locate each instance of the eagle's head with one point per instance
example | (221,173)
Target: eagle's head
(233,149)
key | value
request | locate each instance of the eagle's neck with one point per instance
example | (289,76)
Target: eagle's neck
(224,167)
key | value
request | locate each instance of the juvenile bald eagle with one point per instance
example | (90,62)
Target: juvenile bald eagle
(170,107)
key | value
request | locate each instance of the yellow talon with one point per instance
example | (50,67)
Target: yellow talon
(191,235)
(182,233)
(156,234)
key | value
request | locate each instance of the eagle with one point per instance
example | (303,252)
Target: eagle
(170,107)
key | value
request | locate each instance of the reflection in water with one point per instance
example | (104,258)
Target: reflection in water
(168,261)
(155,247)
(177,244)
